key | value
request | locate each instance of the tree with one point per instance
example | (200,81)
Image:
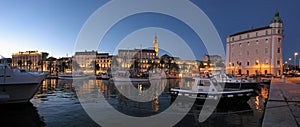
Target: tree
(20,63)
(40,63)
(29,63)
(75,65)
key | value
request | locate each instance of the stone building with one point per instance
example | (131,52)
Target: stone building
(256,51)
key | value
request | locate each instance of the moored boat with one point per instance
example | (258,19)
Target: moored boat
(124,79)
(74,75)
(18,86)
(207,88)
(230,81)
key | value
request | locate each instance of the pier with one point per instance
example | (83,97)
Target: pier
(283,106)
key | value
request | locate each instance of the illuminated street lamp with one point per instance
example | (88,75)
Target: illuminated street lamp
(295,56)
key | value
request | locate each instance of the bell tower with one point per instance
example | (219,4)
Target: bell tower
(155,45)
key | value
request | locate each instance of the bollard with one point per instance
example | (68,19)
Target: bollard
(282,79)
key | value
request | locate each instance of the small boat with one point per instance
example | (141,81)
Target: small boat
(124,79)
(18,86)
(74,75)
(208,88)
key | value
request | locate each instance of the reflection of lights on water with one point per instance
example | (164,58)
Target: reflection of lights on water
(155,106)
(140,88)
(257,103)
(264,92)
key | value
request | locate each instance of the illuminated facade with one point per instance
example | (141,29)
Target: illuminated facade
(126,58)
(86,61)
(256,51)
(31,60)
(104,62)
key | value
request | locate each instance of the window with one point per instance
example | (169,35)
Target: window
(248,53)
(279,40)
(248,43)
(278,50)
(278,62)
(267,32)
(256,34)
(240,53)
(266,50)
(248,63)
(278,31)
(256,51)
(240,44)
(241,37)
(232,39)
(256,42)
(267,41)
(274,31)
(248,35)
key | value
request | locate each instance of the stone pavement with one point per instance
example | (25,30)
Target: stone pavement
(283,106)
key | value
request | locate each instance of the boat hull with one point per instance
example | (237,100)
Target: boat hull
(226,97)
(17,93)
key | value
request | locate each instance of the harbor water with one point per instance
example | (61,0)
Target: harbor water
(57,105)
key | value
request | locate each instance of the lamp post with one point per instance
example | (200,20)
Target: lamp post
(295,56)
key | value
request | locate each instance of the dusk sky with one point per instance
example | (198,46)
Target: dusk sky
(53,25)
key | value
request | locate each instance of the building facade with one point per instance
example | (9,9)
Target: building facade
(31,60)
(256,51)
(85,61)
(103,62)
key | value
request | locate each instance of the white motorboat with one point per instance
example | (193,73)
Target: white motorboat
(230,81)
(74,75)
(18,86)
(124,79)
(207,88)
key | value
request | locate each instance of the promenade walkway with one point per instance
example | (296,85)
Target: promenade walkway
(283,106)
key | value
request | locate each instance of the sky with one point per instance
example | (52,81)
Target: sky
(53,26)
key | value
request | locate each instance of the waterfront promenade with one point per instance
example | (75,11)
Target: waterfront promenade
(283,106)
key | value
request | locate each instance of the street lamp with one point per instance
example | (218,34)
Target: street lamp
(295,56)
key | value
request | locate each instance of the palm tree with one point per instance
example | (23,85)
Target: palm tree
(20,63)
(75,65)
(40,63)
(29,63)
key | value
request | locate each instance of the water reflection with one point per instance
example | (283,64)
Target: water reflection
(60,92)
(19,115)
